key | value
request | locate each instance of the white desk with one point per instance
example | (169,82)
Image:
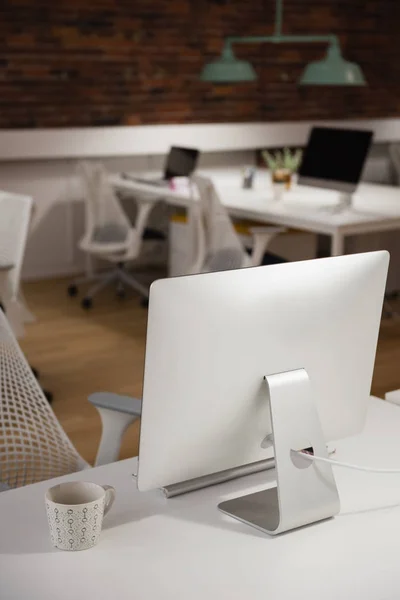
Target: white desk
(153,548)
(376,208)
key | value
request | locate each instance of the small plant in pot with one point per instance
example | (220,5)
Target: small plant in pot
(282,164)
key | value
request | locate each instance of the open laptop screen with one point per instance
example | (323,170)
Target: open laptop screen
(181,162)
(334,156)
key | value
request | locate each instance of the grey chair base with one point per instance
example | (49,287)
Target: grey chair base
(118,276)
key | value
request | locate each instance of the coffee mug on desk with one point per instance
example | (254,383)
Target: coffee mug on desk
(75,513)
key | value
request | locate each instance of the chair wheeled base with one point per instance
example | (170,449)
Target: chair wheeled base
(118,275)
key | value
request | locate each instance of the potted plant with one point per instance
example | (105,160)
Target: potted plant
(282,164)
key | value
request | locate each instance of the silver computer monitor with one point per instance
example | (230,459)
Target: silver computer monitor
(212,338)
(334,158)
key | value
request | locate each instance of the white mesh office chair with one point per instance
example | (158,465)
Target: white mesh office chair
(33,445)
(215,245)
(109,235)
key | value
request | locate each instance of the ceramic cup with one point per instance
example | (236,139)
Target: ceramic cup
(75,513)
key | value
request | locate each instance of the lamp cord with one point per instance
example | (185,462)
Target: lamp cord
(337,463)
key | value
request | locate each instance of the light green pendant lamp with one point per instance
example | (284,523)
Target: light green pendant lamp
(228,69)
(332,70)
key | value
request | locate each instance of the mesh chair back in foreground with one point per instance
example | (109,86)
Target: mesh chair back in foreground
(33,445)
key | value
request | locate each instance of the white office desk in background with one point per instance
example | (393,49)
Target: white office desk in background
(185,548)
(376,208)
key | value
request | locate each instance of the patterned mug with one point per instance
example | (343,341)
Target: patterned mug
(75,513)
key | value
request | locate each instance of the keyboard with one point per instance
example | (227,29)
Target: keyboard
(157,181)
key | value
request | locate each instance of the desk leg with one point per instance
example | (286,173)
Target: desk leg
(337,244)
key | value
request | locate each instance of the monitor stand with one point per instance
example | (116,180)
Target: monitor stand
(345,200)
(344,204)
(306,491)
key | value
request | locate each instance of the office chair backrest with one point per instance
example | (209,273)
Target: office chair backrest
(15,215)
(105,219)
(217,247)
(33,446)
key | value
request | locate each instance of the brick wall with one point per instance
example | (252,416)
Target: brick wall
(110,62)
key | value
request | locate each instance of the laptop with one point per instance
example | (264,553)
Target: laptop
(180,162)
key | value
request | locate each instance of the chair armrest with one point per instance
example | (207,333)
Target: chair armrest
(116,413)
(122,404)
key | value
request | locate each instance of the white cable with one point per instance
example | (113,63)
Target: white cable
(338,463)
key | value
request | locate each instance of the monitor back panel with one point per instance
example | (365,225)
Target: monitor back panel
(212,338)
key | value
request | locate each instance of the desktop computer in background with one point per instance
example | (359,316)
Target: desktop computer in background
(246,366)
(334,159)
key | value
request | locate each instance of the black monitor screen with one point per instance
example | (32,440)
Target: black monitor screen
(335,154)
(181,162)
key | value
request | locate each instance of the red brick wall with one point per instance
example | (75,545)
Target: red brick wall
(95,62)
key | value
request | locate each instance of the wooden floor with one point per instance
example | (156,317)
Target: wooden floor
(80,352)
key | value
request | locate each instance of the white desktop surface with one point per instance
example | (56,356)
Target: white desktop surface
(375,207)
(153,548)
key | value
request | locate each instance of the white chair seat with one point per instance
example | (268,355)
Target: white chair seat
(106,250)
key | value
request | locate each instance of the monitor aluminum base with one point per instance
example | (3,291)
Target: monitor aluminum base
(306,491)
(346,191)
(344,204)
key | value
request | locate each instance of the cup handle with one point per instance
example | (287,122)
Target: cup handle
(110,497)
